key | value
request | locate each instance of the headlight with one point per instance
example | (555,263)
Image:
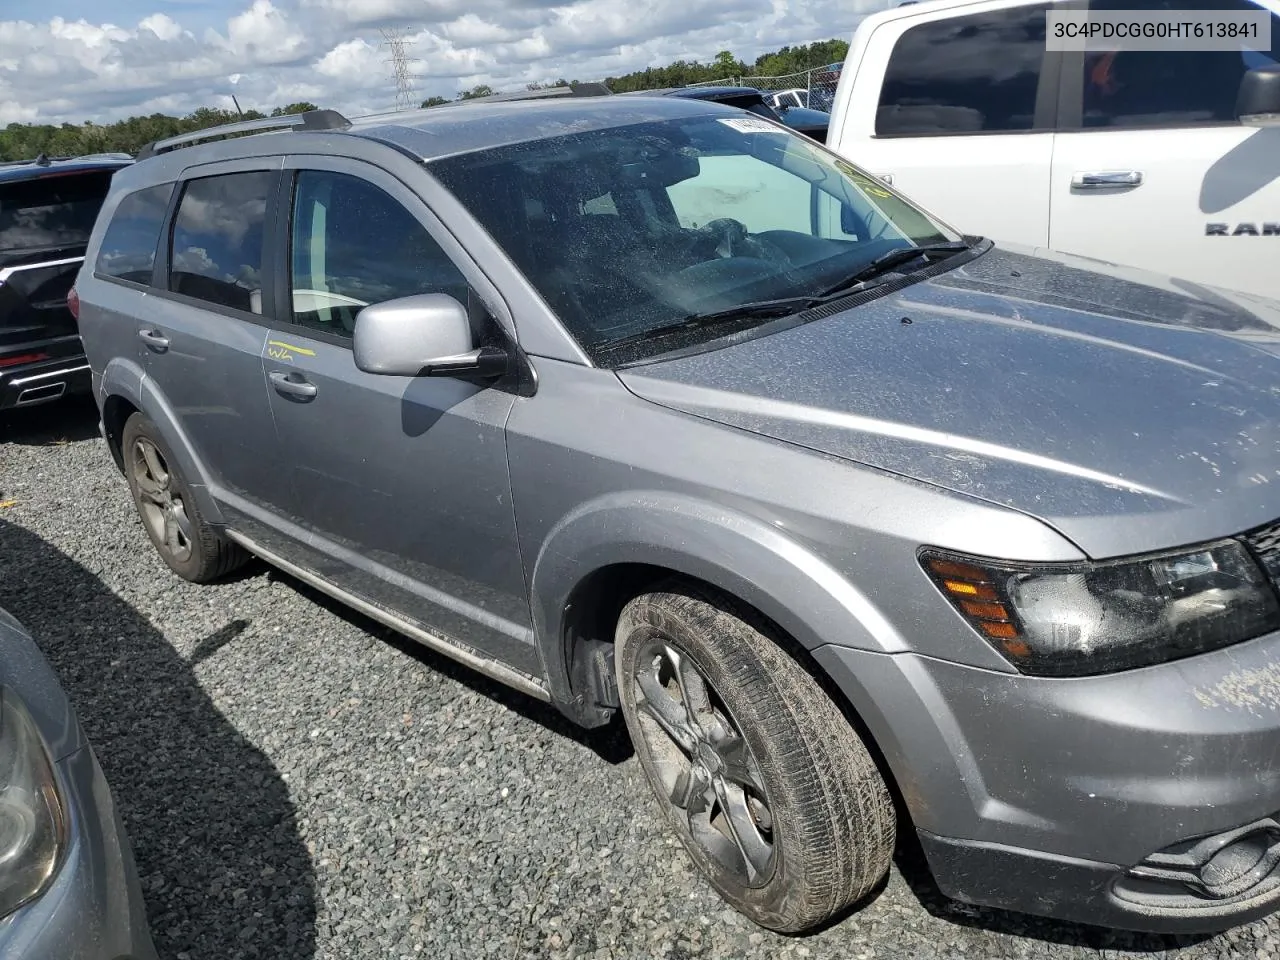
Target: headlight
(31,819)
(1067,620)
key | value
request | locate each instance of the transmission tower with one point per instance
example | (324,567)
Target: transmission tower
(395,39)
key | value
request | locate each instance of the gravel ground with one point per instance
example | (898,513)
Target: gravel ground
(298,782)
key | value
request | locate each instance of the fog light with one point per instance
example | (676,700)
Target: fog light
(1208,871)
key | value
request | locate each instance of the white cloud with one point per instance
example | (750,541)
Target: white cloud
(162,26)
(272,52)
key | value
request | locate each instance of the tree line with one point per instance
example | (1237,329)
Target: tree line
(681,73)
(23,141)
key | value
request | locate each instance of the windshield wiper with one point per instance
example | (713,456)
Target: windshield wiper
(729,317)
(887,261)
(743,314)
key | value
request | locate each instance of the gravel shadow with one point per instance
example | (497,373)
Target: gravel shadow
(610,743)
(224,869)
(63,421)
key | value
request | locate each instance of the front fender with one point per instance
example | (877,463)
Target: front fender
(125,378)
(755,562)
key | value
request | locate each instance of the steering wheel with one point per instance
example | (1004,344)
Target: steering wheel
(732,239)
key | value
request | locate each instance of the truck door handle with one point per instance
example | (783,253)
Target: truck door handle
(292,385)
(1106,178)
(154,339)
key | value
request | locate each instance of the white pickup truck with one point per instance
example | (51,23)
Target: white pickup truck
(1168,161)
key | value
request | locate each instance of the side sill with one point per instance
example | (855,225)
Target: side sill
(464,655)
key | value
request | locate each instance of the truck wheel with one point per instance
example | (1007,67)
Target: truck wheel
(170,515)
(775,796)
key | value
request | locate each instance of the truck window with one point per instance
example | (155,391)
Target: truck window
(1167,88)
(971,74)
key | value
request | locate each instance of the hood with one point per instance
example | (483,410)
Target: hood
(1131,412)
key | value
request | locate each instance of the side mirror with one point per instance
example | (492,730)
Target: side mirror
(428,335)
(1258,103)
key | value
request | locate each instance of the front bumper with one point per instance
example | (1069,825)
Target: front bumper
(93,910)
(1082,798)
(63,371)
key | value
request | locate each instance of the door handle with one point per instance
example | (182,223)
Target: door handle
(1106,178)
(154,339)
(292,385)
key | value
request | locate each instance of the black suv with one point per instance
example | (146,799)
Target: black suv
(47,210)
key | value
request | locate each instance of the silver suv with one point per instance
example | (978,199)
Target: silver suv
(651,405)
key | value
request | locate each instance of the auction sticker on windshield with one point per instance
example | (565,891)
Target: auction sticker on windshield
(750,125)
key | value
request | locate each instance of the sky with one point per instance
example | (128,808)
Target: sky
(101,60)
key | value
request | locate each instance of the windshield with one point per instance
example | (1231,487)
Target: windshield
(631,229)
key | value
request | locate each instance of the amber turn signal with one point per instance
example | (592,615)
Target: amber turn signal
(975,595)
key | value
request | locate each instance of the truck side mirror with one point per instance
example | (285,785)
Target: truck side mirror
(1258,103)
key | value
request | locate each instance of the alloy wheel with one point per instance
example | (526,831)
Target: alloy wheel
(159,501)
(707,770)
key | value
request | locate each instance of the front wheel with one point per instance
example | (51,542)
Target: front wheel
(773,793)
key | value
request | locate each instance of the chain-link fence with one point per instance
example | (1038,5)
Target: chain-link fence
(815,88)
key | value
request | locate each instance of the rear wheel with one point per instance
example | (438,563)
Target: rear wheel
(170,514)
(774,795)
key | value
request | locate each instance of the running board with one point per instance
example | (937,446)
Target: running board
(464,655)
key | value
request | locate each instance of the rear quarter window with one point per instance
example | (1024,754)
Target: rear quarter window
(128,250)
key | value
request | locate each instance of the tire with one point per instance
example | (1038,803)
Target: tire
(169,513)
(796,771)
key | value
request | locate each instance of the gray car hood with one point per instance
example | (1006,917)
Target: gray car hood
(1130,411)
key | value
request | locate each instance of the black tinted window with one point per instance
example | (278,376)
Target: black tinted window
(51,212)
(217,240)
(1168,88)
(128,249)
(354,245)
(965,75)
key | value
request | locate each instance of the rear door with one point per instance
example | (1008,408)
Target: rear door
(1152,169)
(204,330)
(400,483)
(956,110)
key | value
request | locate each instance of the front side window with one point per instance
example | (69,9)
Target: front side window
(128,250)
(216,253)
(354,245)
(51,212)
(627,230)
(1168,88)
(972,74)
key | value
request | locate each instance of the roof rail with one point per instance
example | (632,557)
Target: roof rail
(311,120)
(544,93)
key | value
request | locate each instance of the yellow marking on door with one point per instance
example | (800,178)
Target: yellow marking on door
(290,347)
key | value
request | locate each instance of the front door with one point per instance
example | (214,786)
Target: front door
(400,483)
(1152,169)
(203,334)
